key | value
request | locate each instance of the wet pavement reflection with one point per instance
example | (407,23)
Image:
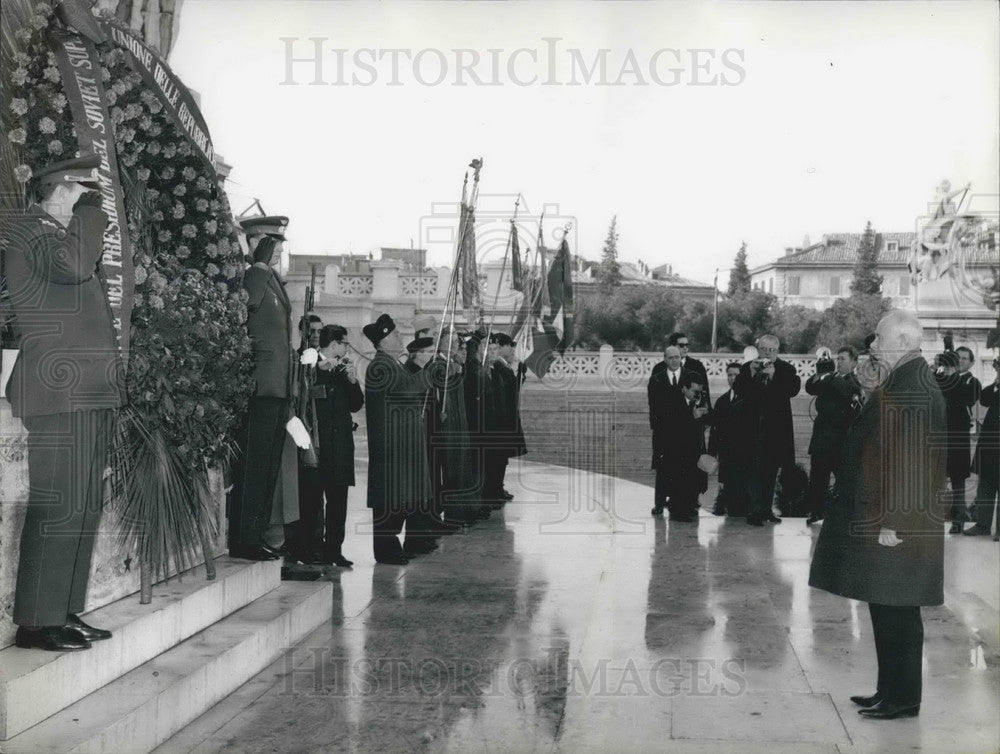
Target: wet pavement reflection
(572,621)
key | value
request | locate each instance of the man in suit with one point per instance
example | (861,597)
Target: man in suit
(882,541)
(337,395)
(261,437)
(423,524)
(724,443)
(679,442)
(689,363)
(986,461)
(398,477)
(961,392)
(479,413)
(58,293)
(664,383)
(767,385)
(838,399)
(507,398)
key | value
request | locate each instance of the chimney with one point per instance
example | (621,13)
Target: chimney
(788,250)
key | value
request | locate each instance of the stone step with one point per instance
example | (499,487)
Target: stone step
(36,684)
(143,708)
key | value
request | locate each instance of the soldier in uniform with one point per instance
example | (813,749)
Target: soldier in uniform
(58,293)
(398,479)
(479,411)
(262,435)
(424,523)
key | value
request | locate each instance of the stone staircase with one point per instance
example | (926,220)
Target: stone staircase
(167,663)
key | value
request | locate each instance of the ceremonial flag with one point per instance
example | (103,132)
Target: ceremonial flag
(543,342)
(516,273)
(560,287)
(467,258)
(543,298)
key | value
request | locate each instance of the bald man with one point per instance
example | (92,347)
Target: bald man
(883,538)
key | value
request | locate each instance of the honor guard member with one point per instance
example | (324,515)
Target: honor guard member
(479,412)
(262,434)
(398,479)
(507,398)
(425,521)
(58,293)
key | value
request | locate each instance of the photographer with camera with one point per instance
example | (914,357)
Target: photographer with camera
(838,396)
(961,392)
(986,462)
(768,385)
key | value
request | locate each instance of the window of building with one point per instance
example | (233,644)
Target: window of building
(835,285)
(904,286)
(770,285)
(793,284)
(892,246)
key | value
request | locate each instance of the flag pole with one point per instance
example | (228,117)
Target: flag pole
(503,269)
(715,309)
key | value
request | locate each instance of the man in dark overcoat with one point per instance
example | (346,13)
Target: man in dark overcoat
(883,540)
(424,524)
(479,413)
(261,437)
(509,435)
(661,391)
(838,398)
(337,395)
(679,443)
(724,443)
(398,477)
(58,291)
(961,392)
(767,385)
(986,460)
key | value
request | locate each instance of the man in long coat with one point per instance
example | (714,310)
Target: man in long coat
(479,413)
(883,539)
(398,478)
(58,290)
(961,392)
(507,399)
(261,437)
(679,440)
(986,460)
(724,443)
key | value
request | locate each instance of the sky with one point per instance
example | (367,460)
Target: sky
(710,123)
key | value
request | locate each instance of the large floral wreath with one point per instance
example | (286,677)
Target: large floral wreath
(189,371)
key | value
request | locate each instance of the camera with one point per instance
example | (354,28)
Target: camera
(825,365)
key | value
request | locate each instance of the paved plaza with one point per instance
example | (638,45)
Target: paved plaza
(574,622)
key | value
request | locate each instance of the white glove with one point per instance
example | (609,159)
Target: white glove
(309,357)
(299,433)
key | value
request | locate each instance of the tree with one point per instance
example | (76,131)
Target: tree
(849,320)
(797,327)
(633,317)
(866,278)
(609,273)
(739,275)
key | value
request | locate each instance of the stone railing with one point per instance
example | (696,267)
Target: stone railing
(354,285)
(418,285)
(630,370)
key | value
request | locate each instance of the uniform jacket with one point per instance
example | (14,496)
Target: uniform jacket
(961,392)
(69,359)
(397,441)
(891,475)
(269,325)
(988,445)
(450,445)
(336,399)
(836,401)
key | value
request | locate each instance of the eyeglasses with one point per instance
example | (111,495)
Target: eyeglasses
(683,345)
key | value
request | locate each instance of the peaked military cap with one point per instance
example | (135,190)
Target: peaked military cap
(268,225)
(82,170)
(377,330)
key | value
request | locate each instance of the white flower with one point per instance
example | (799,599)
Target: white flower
(189,231)
(17,136)
(55,147)
(19,76)
(47,126)
(183,252)
(140,274)
(211,270)
(22,173)
(19,105)
(156,302)
(309,357)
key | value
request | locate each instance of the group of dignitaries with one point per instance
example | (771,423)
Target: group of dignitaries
(442,420)
(891,446)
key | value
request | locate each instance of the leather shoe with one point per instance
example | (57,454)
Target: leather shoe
(956,528)
(394,560)
(254,553)
(976,531)
(341,562)
(50,638)
(813,519)
(90,633)
(755,520)
(772,519)
(890,711)
(867,701)
(657,510)
(506,495)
